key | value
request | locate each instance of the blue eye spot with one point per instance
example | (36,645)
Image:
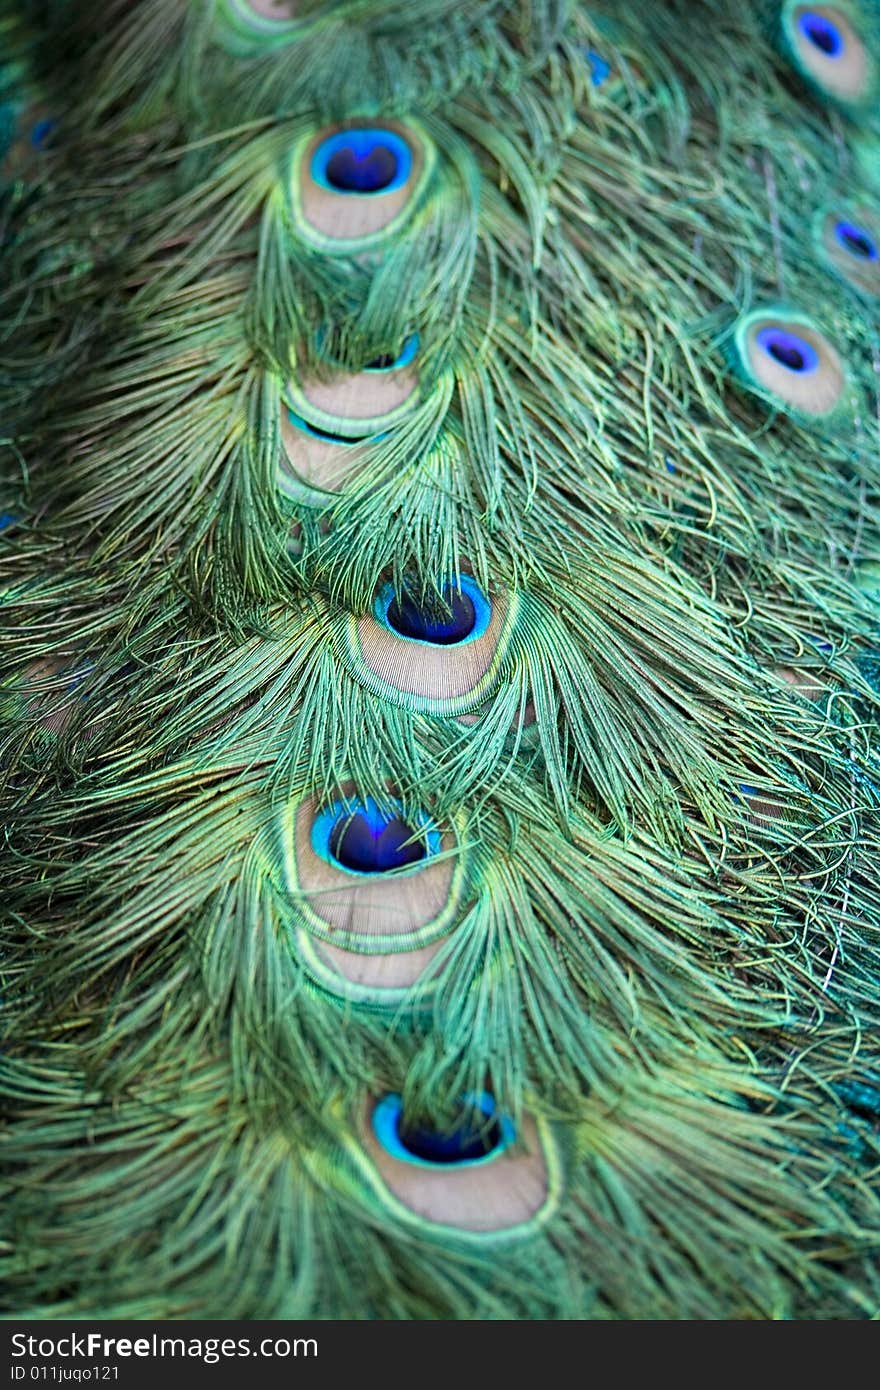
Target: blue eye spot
(856,240)
(362,162)
(789,350)
(461,614)
(600,68)
(367,844)
(363,838)
(443,623)
(821,33)
(480,1136)
(387,363)
(42,131)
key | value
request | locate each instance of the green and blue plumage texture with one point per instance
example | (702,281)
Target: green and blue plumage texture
(440,632)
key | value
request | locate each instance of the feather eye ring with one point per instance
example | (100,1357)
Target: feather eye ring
(856,241)
(352,405)
(373,892)
(820,31)
(438,654)
(786,359)
(480,1136)
(249,26)
(354,186)
(386,362)
(482,1178)
(829,52)
(362,161)
(849,240)
(365,839)
(323,422)
(315,464)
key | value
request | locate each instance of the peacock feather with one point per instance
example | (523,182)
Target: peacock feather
(441,659)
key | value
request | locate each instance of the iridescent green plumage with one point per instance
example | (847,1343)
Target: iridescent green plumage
(647,805)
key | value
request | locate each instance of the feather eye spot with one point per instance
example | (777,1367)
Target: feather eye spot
(461,613)
(323,423)
(857,241)
(441,655)
(367,842)
(26,132)
(480,1135)
(822,33)
(365,838)
(783,357)
(600,68)
(848,241)
(362,932)
(353,187)
(362,162)
(445,623)
(387,362)
(350,170)
(788,349)
(484,1179)
(370,892)
(42,131)
(829,52)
